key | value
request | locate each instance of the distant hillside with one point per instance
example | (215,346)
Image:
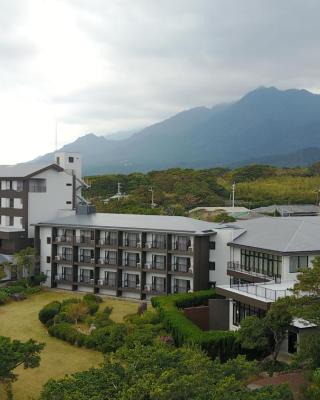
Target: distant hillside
(264,124)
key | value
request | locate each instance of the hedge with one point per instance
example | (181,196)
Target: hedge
(49,311)
(222,344)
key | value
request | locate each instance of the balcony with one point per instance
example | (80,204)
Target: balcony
(132,244)
(64,278)
(181,289)
(131,264)
(108,242)
(237,270)
(63,259)
(86,260)
(85,241)
(266,292)
(131,287)
(182,247)
(111,262)
(155,266)
(86,280)
(66,240)
(155,289)
(155,245)
(182,269)
(107,284)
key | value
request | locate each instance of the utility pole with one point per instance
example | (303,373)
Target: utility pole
(233,193)
(152,197)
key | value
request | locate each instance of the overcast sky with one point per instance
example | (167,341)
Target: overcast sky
(107,65)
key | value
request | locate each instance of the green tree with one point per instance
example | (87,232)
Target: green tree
(25,261)
(309,279)
(14,353)
(252,334)
(77,312)
(309,351)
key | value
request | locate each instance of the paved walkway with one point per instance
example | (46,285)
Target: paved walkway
(295,380)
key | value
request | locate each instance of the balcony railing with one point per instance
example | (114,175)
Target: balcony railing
(84,240)
(238,267)
(182,268)
(261,291)
(108,261)
(86,260)
(132,264)
(64,278)
(110,283)
(159,289)
(64,239)
(181,289)
(185,247)
(132,243)
(108,242)
(86,279)
(158,245)
(131,285)
(161,266)
(64,258)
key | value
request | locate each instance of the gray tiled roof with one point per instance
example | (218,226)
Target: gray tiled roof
(289,209)
(136,222)
(281,234)
(20,170)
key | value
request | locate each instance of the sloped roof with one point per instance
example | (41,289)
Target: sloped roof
(280,234)
(136,222)
(24,170)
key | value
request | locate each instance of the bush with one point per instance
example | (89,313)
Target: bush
(67,302)
(4,298)
(102,318)
(222,344)
(92,307)
(92,298)
(37,279)
(68,333)
(49,311)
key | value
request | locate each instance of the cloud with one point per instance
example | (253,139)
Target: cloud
(103,66)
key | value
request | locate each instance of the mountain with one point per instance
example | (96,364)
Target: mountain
(266,122)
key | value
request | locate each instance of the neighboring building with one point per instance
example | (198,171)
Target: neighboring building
(127,255)
(265,257)
(294,210)
(30,193)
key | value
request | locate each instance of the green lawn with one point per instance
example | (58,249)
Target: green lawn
(19,320)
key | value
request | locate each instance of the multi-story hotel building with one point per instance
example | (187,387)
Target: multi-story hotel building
(126,255)
(30,193)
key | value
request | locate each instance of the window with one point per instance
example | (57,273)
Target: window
(86,276)
(212,245)
(131,281)
(48,259)
(297,262)
(58,160)
(181,286)
(11,221)
(158,284)
(11,203)
(48,240)
(262,263)
(68,202)
(212,266)
(71,159)
(68,184)
(242,310)
(38,185)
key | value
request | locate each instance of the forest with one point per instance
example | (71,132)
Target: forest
(177,191)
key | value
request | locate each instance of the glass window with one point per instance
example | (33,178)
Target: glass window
(297,262)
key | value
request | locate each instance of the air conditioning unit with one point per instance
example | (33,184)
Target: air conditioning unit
(190,248)
(92,281)
(58,258)
(101,241)
(190,270)
(138,286)
(68,239)
(139,244)
(101,261)
(57,239)
(147,288)
(149,245)
(93,260)
(57,278)
(147,266)
(100,282)
(138,265)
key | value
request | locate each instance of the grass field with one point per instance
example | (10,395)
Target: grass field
(19,320)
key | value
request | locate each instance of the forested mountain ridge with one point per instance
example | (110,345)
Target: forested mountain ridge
(264,123)
(177,191)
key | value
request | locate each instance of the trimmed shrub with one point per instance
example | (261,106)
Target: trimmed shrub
(222,344)
(4,298)
(49,311)
(66,303)
(92,307)
(102,318)
(92,297)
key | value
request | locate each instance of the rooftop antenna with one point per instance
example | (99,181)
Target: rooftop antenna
(56,136)
(152,197)
(233,193)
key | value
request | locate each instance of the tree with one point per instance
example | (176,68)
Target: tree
(223,217)
(309,351)
(77,311)
(25,261)
(256,334)
(309,279)
(14,353)
(277,322)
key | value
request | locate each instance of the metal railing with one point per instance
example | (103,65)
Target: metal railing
(108,242)
(161,266)
(64,239)
(238,267)
(106,261)
(86,279)
(84,240)
(133,243)
(108,283)
(180,289)
(182,268)
(64,278)
(64,257)
(261,291)
(86,260)
(158,245)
